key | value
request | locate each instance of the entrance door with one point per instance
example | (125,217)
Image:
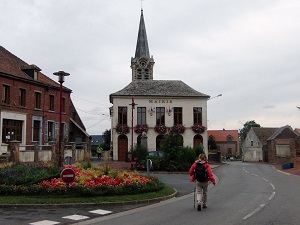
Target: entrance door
(122,147)
(198,139)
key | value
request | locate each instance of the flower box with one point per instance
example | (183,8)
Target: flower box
(160,128)
(198,128)
(122,129)
(178,128)
(139,129)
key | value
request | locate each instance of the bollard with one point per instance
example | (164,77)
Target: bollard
(149,165)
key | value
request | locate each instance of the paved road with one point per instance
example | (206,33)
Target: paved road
(246,194)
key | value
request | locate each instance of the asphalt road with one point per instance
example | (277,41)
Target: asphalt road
(245,194)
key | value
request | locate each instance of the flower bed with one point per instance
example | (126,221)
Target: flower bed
(89,182)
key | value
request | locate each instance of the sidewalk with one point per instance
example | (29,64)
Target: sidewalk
(294,171)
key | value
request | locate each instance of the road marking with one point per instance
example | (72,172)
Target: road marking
(263,205)
(273,194)
(45,222)
(76,217)
(253,212)
(101,212)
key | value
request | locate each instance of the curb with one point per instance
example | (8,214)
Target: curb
(82,205)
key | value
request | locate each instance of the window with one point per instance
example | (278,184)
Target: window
(51,102)
(139,74)
(38,97)
(51,131)
(6,94)
(177,115)
(229,138)
(11,130)
(22,99)
(141,115)
(63,104)
(122,115)
(283,150)
(197,115)
(146,74)
(251,143)
(160,115)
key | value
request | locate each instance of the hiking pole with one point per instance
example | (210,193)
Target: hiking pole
(195,195)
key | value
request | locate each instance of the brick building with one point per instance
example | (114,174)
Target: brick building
(30,105)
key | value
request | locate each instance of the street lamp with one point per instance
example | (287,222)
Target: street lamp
(61,78)
(219,95)
(132,108)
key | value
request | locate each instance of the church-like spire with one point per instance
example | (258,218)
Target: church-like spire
(142,49)
(142,64)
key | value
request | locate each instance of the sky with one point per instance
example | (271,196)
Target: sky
(246,50)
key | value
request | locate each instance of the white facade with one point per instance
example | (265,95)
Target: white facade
(187,105)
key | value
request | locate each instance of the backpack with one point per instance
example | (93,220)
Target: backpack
(201,174)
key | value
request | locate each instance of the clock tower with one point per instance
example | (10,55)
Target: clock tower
(142,64)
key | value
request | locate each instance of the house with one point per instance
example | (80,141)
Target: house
(283,146)
(153,107)
(30,106)
(227,141)
(254,147)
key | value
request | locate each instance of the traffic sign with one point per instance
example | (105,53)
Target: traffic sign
(68,175)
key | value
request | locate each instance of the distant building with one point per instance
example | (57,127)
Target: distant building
(30,106)
(97,139)
(227,141)
(159,105)
(254,147)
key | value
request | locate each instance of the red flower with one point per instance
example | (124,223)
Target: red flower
(160,128)
(177,128)
(122,129)
(198,128)
(139,129)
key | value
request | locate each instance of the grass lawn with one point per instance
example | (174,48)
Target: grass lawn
(64,200)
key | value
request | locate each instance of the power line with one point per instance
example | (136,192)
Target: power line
(90,101)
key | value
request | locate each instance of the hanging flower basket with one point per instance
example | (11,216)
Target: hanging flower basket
(178,128)
(198,128)
(139,129)
(160,128)
(122,129)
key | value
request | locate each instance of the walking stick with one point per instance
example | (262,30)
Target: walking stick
(195,194)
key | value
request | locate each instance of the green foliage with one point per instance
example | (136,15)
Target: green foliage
(247,126)
(20,174)
(140,152)
(199,149)
(212,145)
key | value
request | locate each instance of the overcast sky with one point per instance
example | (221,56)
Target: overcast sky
(246,50)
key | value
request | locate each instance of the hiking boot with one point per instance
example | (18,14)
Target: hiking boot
(204,206)
(199,207)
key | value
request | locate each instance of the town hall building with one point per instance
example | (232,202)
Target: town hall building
(154,107)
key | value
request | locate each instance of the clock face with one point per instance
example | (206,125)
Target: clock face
(143,62)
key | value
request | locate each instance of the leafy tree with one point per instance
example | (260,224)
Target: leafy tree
(247,126)
(107,138)
(212,145)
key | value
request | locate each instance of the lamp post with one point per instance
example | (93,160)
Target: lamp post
(61,78)
(132,108)
(219,95)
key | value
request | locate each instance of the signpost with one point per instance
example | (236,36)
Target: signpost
(68,175)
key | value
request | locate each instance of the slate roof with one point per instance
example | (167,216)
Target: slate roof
(165,88)
(221,135)
(11,65)
(142,49)
(263,133)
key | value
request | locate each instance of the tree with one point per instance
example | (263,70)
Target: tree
(107,138)
(247,126)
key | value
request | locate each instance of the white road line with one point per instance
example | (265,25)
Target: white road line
(76,217)
(272,186)
(265,179)
(273,194)
(253,212)
(101,212)
(45,222)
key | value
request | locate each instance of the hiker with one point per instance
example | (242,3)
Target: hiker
(201,178)
(99,151)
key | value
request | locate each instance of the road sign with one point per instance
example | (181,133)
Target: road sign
(68,175)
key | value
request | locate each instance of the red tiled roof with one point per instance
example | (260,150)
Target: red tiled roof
(222,135)
(11,64)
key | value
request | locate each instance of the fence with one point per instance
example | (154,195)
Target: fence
(45,153)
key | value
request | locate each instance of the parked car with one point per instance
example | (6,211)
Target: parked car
(156,153)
